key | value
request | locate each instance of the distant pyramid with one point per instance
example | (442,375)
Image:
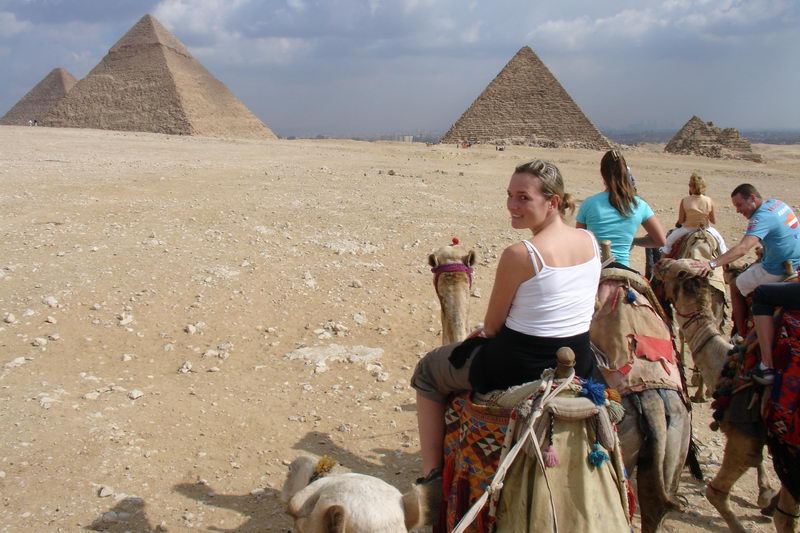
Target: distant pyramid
(149,81)
(40,100)
(525,104)
(697,137)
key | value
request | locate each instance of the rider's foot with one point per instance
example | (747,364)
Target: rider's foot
(763,376)
(432,477)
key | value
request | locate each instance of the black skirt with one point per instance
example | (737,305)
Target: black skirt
(512,358)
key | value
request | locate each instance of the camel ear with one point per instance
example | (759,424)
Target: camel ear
(432,260)
(333,521)
(469,259)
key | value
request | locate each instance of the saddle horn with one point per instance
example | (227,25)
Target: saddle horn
(566,362)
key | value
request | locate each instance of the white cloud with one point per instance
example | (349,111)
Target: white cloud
(9,25)
(197,16)
(297,5)
(373,6)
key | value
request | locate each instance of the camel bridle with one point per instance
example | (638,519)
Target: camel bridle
(450,267)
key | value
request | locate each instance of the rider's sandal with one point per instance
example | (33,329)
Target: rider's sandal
(763,376)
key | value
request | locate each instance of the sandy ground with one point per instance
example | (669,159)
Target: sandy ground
(189,314)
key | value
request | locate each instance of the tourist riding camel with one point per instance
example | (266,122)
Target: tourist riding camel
(542,300)
(696,212)
(616,213)
(750,415)
(771,223)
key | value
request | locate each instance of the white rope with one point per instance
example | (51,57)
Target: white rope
(497,483)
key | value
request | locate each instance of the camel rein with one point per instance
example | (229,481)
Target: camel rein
(450,267)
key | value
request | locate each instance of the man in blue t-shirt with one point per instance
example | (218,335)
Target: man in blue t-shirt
(775,226)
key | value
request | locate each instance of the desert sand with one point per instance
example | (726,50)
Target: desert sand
(189,314)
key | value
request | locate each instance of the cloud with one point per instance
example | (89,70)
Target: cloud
(10,25)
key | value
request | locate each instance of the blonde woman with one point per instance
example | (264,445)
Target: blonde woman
(543,299)
(695,212)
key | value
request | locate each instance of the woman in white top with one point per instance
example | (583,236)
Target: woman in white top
(543,299)
(695,212)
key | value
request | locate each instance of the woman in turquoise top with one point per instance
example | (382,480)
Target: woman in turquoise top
(616,213)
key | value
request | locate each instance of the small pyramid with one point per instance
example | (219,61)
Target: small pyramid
(40,100)
(149,81)
(525,104)
(697,137)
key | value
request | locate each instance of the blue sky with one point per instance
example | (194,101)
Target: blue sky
(365,67)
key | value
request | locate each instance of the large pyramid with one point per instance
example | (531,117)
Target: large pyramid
(40,100)
(525,104)
(149,81)
(697,137)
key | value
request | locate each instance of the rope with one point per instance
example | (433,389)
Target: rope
(497,483)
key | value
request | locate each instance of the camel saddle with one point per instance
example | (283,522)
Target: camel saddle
(631,330)
(480,431)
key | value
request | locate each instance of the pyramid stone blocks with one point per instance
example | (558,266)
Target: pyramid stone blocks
(525,104)
(703,138)
(149,81)
(38,102)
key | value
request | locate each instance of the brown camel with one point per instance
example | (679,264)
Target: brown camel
(627,318)
(691,297)
(452,266)
(702,246)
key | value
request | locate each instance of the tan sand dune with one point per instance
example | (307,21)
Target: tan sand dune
(181,316)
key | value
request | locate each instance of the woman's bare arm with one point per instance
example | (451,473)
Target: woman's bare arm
(513,268)
(655,238)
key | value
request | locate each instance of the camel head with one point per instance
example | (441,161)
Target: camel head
(452,268)
(682,283)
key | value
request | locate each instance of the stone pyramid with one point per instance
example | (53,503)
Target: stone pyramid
(525,104)
(40,100)
(697,137)
(149,81)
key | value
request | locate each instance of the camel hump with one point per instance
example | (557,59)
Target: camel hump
(566,362)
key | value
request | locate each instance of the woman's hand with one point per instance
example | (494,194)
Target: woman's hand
(477,332)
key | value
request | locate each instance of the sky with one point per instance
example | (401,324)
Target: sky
(373,67)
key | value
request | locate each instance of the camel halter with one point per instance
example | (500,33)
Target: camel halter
(450,267)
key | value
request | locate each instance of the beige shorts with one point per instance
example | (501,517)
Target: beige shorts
(754,276)
(436,378)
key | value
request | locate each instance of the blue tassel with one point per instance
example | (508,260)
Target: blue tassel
(630,296)
(594,391)
(597,456)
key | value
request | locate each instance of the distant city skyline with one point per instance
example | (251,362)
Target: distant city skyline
(378,67)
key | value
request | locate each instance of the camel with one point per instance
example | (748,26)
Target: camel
(692,300)
(322,498)
(629,328)
(703,246)
(452,268)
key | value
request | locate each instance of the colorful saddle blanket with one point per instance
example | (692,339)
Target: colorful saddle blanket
(472,449)
(781,412)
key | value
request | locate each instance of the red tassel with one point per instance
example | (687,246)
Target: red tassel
(550,457)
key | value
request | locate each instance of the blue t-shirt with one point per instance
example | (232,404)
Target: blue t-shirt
(775,224)
(605,222)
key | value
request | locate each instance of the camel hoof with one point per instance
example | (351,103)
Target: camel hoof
(765,499)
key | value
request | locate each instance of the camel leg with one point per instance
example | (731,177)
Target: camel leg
(698,396)
(765,490)
(741,452)
(786,515)
(659,466)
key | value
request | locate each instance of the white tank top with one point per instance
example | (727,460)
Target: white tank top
(556,301)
